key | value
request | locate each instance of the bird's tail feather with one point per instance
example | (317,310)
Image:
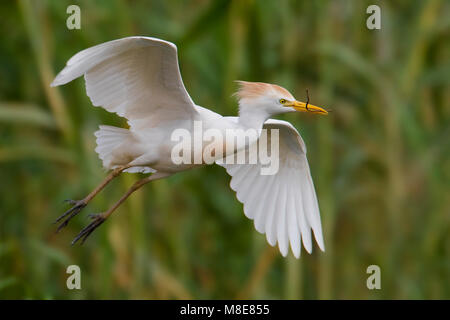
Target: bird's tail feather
(109,140)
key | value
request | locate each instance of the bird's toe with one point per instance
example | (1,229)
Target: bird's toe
(77,206)
(97,220)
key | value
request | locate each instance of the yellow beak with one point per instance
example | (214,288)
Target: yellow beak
(303,107)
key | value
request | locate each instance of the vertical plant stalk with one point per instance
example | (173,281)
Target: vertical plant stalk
(399,101)
(293,279)
(258,273)
(324,166)
(30,14)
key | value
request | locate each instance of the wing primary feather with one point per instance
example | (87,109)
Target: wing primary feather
(280,225)
(292,225)
(246,186)
(311,210)
(261,209)
(237,179)
(305,228)
(271,212)
(317,227)
(253,196)
(233,169)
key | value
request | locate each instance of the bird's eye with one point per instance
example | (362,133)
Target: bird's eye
(282,101)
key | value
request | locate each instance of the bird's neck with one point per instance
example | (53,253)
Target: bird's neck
(249,118)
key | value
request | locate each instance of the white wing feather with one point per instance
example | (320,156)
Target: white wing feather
(284,205)
(136,77)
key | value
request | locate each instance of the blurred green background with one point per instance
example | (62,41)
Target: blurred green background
(380,161)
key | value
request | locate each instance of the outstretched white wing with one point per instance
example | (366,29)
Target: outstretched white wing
(136,77)
(284,205)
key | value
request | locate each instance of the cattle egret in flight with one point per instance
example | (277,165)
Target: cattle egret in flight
(139,79)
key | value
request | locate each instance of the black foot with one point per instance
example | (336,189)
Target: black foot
(98,219)
(77,206)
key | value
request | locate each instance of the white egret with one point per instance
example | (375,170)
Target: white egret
(139,79)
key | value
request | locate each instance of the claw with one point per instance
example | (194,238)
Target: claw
(78,205)
(98,219)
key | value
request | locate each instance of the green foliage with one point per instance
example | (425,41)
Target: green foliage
(380,161)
